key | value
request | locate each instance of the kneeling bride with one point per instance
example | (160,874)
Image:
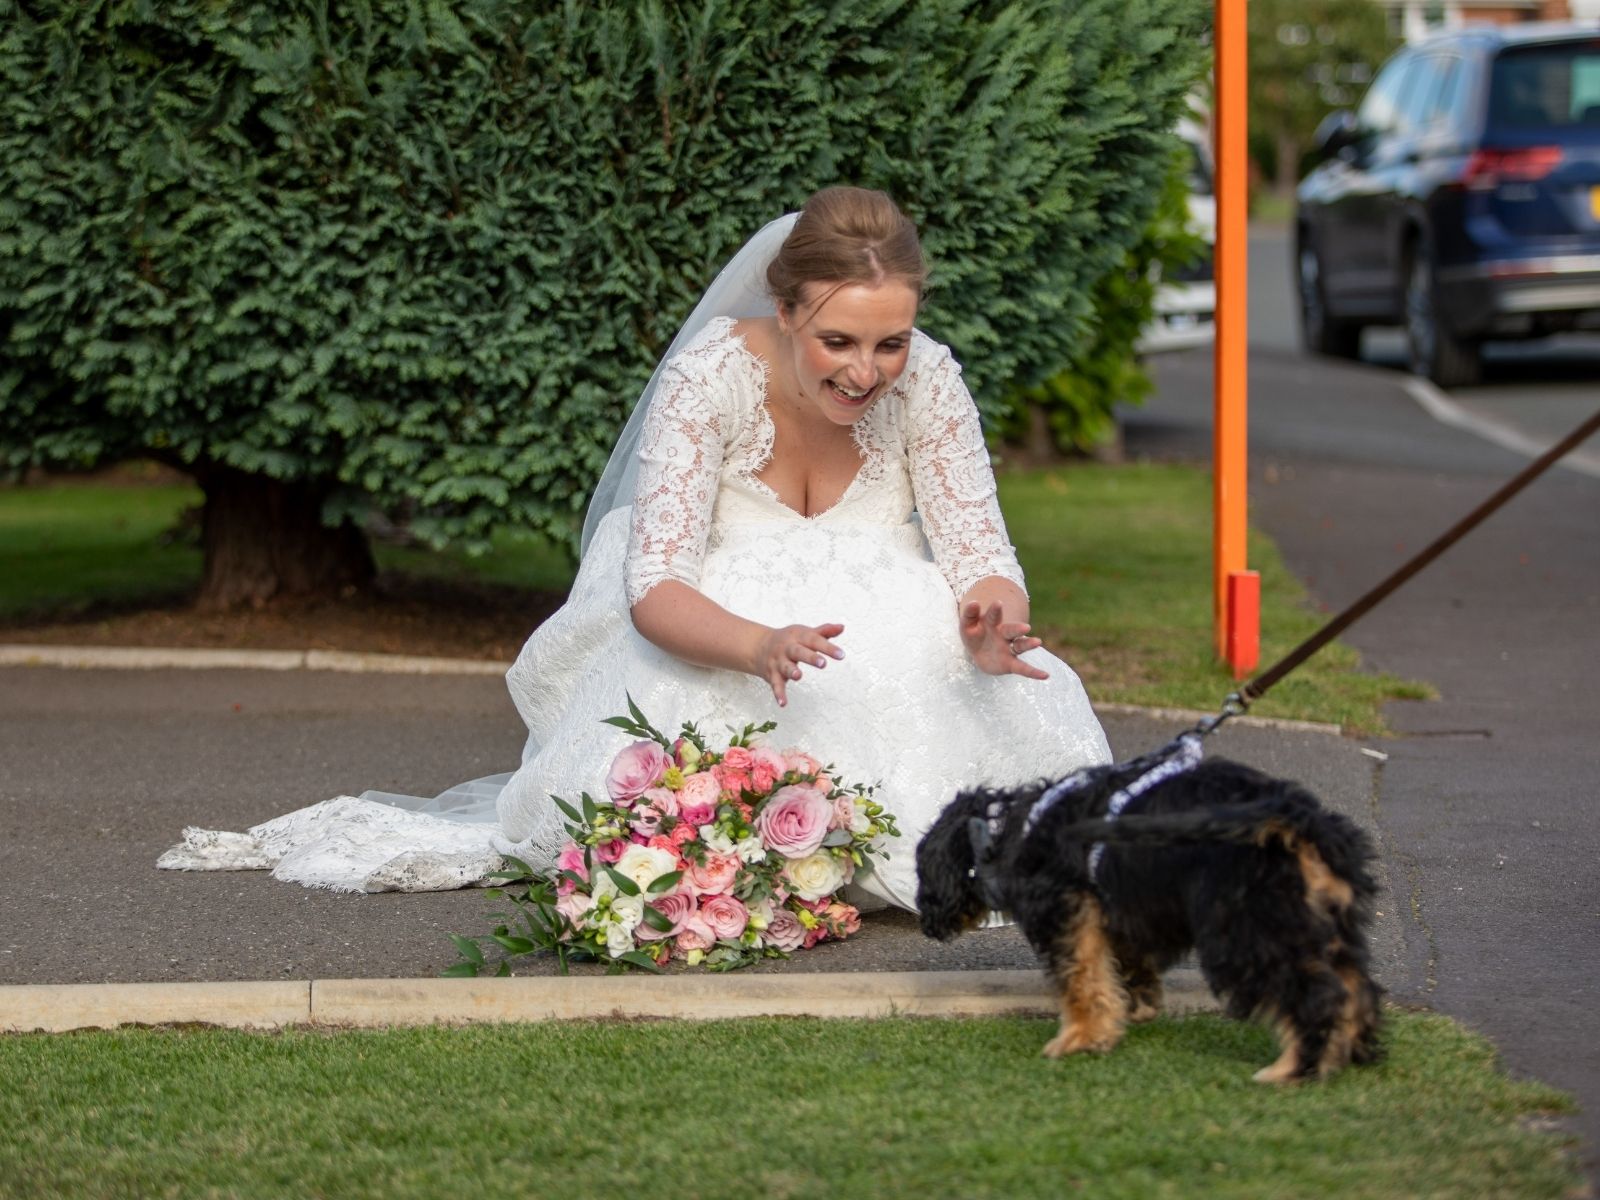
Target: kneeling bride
(799,525)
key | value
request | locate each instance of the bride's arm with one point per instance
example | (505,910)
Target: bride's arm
(956,495)
(689,625)
(680,460)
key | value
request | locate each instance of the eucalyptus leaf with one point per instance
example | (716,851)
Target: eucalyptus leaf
(624,885)
(664,883)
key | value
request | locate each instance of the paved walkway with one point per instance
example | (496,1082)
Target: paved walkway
(105,766)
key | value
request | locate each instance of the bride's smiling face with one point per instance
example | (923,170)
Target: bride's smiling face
(849,344)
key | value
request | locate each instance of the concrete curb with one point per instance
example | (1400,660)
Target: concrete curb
(133,658)
(1247,721)
(379,1003)
(130,658)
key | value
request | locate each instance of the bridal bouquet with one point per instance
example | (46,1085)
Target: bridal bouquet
(716,856)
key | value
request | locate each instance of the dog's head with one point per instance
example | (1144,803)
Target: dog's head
(951,896)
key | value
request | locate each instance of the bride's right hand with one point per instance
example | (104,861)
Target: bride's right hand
(781,653)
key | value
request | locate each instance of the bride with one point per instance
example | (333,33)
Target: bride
(799,523)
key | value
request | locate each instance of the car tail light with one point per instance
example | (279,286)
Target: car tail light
(1490,168)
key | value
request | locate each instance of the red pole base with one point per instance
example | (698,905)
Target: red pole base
(1244,622)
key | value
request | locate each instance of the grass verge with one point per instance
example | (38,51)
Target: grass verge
(779,1107)
(1118,562)
(1119,570)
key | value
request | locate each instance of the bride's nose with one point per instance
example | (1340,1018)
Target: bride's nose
(861,373)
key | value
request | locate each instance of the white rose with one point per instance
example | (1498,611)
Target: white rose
(644,864)
(601,886)
(814,876)
(629,911)
(750,850)
(715,839)
(619,940)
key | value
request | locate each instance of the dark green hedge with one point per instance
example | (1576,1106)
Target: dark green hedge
(432,249)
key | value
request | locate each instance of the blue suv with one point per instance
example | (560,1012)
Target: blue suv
(1461,200)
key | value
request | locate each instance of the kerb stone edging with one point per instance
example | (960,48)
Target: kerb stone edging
(376,1003)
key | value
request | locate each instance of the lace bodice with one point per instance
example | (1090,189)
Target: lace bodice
(709,433)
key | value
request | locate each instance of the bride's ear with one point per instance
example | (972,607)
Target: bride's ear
(785,317)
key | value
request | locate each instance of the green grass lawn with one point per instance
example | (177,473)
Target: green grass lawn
(1118,562)
(1119,570)
(781,1107)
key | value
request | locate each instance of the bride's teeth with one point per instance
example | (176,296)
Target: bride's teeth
(847,392)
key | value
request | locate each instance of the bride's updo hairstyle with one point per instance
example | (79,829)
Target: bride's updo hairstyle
(847,235)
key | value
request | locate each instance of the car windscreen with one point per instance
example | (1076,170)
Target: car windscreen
(1544,86)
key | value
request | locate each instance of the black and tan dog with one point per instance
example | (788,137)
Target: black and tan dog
(1272,891)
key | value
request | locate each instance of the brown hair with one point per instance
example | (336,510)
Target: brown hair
(847,235)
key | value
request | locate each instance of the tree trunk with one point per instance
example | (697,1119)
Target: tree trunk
(1288,173)
(264,540)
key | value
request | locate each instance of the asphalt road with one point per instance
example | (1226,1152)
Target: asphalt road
(1488,805)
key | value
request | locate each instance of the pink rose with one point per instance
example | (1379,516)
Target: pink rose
(800,763)
(714,875)
(795,820)
(695,935)
(646,818)
(729,780)
(844,812)
(842,919)
(633,770)
(697,799)
(738,759)
(676,907)
(663,800)
(570,859)
(813,936)
(610,852)
(573,906)
(725,916)
(784,931)
(682,834)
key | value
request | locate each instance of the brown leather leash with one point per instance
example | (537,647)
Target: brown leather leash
(1240,701)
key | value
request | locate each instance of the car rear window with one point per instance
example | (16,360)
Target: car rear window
(1549,85)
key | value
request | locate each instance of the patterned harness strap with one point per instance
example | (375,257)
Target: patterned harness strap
(1179,756)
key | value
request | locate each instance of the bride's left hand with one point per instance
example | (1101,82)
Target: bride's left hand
(995,643)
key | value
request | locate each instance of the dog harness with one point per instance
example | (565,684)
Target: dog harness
(1181,754)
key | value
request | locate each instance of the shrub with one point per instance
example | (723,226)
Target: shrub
(338,255)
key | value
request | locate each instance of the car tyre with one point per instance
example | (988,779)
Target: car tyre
(1320,332)
(1435,350)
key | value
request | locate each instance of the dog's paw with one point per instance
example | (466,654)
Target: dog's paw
(1143,1010)
(1074,1041)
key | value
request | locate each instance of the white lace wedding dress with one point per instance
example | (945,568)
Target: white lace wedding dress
(904,708)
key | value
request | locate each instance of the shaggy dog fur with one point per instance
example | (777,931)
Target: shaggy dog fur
(1273,892)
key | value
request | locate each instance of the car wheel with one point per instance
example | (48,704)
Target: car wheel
(1320,332)
(1436,352)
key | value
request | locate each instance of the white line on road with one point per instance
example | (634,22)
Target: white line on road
(1447,412)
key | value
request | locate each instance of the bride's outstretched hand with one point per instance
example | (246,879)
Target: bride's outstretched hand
(783,651)
(995,644)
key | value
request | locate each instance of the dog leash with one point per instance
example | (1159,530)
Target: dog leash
(1184,752)
(1240,701)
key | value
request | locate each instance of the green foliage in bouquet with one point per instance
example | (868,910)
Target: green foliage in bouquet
(421,257)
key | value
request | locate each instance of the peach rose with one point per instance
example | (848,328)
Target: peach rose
(725,916)
(695,935)
(697,799)
(716,874)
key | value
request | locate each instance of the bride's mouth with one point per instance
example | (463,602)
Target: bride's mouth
(848,396)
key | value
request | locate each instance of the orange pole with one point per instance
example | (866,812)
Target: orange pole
(1231,355)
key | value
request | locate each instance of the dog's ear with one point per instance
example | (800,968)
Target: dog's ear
(949,898)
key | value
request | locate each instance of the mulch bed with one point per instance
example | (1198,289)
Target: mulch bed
(403,615)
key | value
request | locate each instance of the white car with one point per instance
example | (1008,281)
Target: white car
(1186,307)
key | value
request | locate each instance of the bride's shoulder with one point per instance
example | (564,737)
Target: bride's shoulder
(720,350)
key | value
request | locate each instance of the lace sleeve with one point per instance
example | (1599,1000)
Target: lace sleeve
(952,478)
(680,459)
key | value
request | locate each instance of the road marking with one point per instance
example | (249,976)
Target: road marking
(1447,412)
